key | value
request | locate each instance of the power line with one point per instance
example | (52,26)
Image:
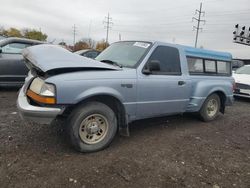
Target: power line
(176,24)
(197,28)
(228,14)
(109,23)
(182,18)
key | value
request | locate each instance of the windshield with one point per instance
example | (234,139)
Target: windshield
(243,70)
(126,54)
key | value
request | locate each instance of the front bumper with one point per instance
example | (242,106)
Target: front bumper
(241,95)
(43,115)
(239,92)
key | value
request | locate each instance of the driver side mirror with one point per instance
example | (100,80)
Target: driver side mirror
(153,65)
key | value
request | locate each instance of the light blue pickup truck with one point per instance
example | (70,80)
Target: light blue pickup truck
(128,81)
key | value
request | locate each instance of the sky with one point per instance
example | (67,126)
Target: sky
(161,20)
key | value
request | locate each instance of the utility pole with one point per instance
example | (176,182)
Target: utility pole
(198,28)
(120,37)
(108,23)
(74,36)
(90,23)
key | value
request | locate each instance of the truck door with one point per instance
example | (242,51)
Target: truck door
(164,91)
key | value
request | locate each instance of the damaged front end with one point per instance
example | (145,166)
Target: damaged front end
(38,98)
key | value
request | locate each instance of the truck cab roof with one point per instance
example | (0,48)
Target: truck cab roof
(207,54)
(200,52)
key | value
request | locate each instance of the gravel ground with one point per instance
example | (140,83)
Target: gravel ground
(178,151)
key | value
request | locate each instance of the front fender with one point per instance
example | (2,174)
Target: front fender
(99,91)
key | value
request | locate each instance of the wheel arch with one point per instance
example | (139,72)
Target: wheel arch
(222,97)
(111,101)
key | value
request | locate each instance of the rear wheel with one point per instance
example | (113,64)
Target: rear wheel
(210,108)
(92,127)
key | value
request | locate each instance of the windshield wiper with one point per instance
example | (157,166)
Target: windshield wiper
(111,62)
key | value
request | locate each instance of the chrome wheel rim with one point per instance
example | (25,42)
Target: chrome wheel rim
(212,107)
(93,128)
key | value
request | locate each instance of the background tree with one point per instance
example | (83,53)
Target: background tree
(101,45)
(34,34)
(12,32)
(25,33)
(2,31)
(81,45)
(91,43)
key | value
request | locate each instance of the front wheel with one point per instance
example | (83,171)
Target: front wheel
(92,127)
(210,108)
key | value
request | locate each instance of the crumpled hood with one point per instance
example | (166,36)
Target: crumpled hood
(48,57)
(242,78)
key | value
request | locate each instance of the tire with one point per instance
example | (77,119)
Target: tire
(92,127)
(210,108)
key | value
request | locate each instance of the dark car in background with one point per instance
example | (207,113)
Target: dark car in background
(90,53)
(236,64)
(12,68)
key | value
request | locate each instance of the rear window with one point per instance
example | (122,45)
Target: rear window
(195,65)
(223,67)
(208,67)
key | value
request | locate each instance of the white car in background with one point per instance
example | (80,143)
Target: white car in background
(242,81)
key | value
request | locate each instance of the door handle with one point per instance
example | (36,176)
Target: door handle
(180,83)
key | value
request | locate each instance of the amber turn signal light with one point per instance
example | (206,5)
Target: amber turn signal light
(41,99)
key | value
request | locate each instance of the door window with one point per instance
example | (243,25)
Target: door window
(169,60)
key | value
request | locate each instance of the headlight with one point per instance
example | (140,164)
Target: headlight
(41,88)
(47,90)
(42,92)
